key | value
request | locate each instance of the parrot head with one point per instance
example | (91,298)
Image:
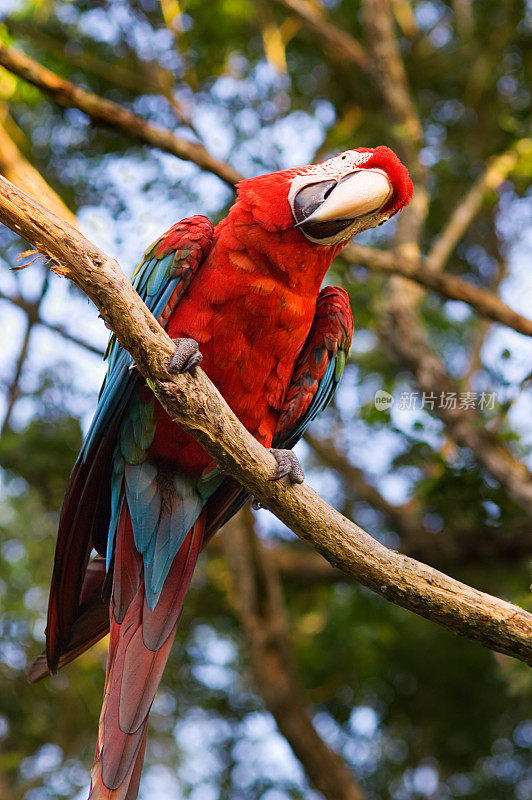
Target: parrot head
(328,203)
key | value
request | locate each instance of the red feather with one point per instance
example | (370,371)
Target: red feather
(140,643)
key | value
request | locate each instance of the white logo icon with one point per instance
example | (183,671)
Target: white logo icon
(383,400)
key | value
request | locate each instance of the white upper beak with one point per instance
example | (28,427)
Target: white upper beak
(357,194)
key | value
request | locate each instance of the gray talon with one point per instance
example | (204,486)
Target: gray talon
(289,466)
(186,357)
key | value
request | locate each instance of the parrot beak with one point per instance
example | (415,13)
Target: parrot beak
(357,194)
(325,209)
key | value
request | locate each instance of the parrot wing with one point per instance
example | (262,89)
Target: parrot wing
(315,379)
(319,367)
(162,279)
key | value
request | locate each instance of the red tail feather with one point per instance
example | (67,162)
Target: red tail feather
(141,639)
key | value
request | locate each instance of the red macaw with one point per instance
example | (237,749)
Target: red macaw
(244,299)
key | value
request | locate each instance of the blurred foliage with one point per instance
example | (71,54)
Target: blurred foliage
(52,445)
(416,711)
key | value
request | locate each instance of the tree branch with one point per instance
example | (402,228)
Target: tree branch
(338,43)
(196,405)
(454,546)
(401,330)
(402,519)
(13,391)
(101,110)
(494,174)
(14,386)
(294,562)
(258,599)
(143,77)
(390,76)
(116,116)
(31,310)
(19,171)
(482,326)
(404,338)
(484,302)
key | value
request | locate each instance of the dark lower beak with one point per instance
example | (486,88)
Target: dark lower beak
(326,208)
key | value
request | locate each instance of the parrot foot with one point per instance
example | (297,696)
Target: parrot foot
(289,466)
(186,357)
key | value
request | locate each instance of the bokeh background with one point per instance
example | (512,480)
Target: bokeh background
(413,711)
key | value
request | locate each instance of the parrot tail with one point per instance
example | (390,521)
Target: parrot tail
(140,642)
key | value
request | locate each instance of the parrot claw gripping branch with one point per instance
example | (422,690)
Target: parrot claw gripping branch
(143,493)
(186,358)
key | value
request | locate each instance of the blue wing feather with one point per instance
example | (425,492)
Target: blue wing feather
(326,390)
(154,284)
(160,518)
(319,367)
(185,245)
